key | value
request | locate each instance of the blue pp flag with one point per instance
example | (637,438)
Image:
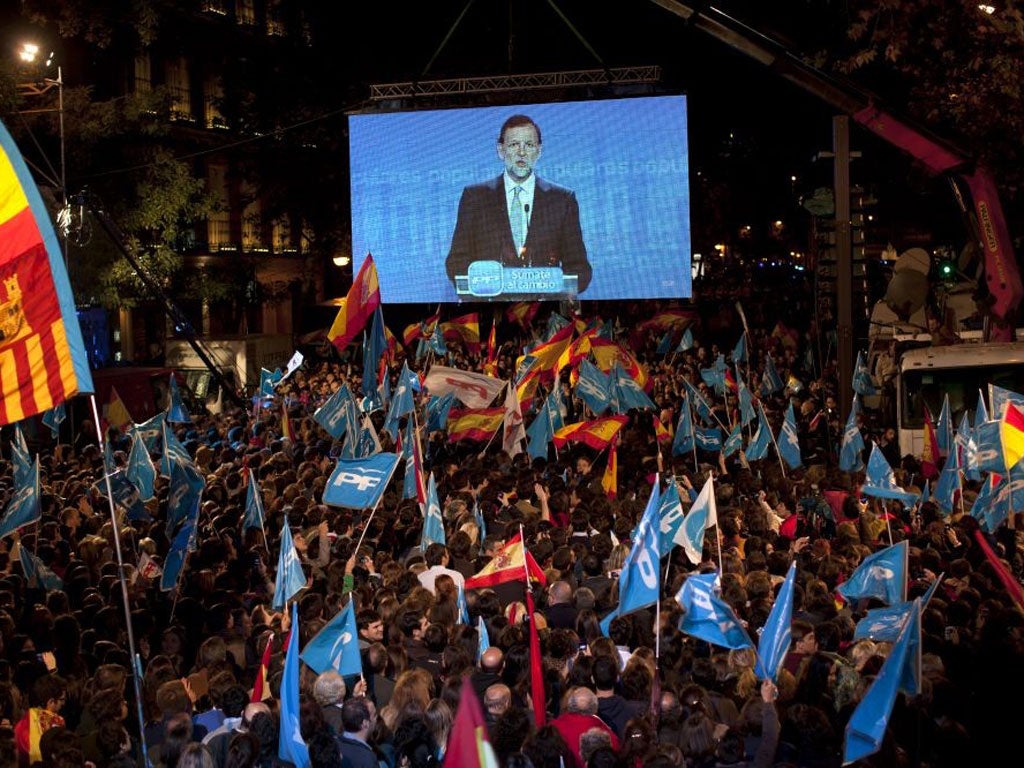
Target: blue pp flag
(987,455)
(869,721)
(699,403)
(360,483)
(771,382)
(739,352)
(140,471)
(926,493)
(413,478)
(21,458)
(269,380)
(254,512)
(289,578)
(707,617)
(882,575)
(174,452)
(37,574)
(460,601)
(881,482)
(684,440)
(126,495)
(176,410)
(703,514)
(708,438)
(539,433)
(747,413)
(733,442)
(437,412)
(850,459)
(483,640)
(757,448)
(625,392)
(593,387)
(290,745)
(333,415)
(715,379)
(788,440)
(639,584)
(686,343)
(980,414)
(665,344)
(949,484)
(402,402)
(184,492)
(862,383)
(774,641)
(670,519)
(999,398)
(151,431)
(481,523)
(54,417)
(180,547)
(336,646)
(884,625)
(433,523)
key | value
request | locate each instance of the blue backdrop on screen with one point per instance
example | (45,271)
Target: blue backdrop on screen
(625,159)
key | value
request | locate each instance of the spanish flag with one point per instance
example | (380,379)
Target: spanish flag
(522,312)
(1011,435)
(465,330)
(597,434)
(260,689)
(286,425)
(930,451)
(117,412)
(510,564)
(607,353)
(610,480)
(661,431)
(31,728)
(474,423)
(362,299)
(42,356)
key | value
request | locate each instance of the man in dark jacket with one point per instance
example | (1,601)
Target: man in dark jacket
(611,707)
(358,717)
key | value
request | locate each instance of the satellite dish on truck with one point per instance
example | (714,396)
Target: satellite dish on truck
(908,289)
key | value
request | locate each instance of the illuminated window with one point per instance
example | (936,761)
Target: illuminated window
(178,89)
(219,222)
(245,12)
(143,73)
(252,222)
(275,18)
(213,96)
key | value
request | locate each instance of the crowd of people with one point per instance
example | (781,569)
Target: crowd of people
(644,694)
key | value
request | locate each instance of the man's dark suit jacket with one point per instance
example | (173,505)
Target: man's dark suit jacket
(554,237)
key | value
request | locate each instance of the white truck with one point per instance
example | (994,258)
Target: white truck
(239,358)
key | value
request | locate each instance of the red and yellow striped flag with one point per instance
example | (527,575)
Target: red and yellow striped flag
(117,412)
(42,357)
(474,423)
(661,432)
(362,299)
(522,312)
(930,451)
(465,329)
(1011,435)
(610,480)
(286,425)
(597,433)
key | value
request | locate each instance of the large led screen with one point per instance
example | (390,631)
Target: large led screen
(587,199)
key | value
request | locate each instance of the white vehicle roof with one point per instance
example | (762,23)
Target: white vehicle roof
(963,355)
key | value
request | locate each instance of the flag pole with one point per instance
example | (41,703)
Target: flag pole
(120,572)
(778,453)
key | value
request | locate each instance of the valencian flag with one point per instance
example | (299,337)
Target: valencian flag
(42,357)
(507,565)
(596,434)
(362,299)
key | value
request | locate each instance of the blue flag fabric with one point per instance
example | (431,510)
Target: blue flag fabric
(151,431)
(686,343)
(707,617)
(882,575)
(140,471)
(789,440)
(181,545)
(949,484)
(944,427)
(374,344)
(437,412)
(670,519)
(539,433)
(715,379)
(626,393)
(775,635)
(413,466)
(36,573)
(593,387)
(184,494)
(360,483)
(333,415)
(739,352)
(747,412)
(126,495)
(881,482)
(460,600)
(665,344)
(290,745)
(699,403)
(684,440)
(999,397)
(926,491)
(176,410)
(1007,495)
(982,510)
(368,444)
(436,343)
(639,584)
(433,523)
(883,625)
(336,646)
(733,442)
(254,512)
(481,523)
(269,380)
(289,578)
(850,458)
(987,455)
(963,444)
(703,514)
(21,458)
(869,721)
(757,448)
(402,403)
(771,382)
(708,438)
(555,407)
(980,414)
(483,639)
(174,452)
(862,384)
(54,417)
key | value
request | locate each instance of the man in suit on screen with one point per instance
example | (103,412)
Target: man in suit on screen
(518,219)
